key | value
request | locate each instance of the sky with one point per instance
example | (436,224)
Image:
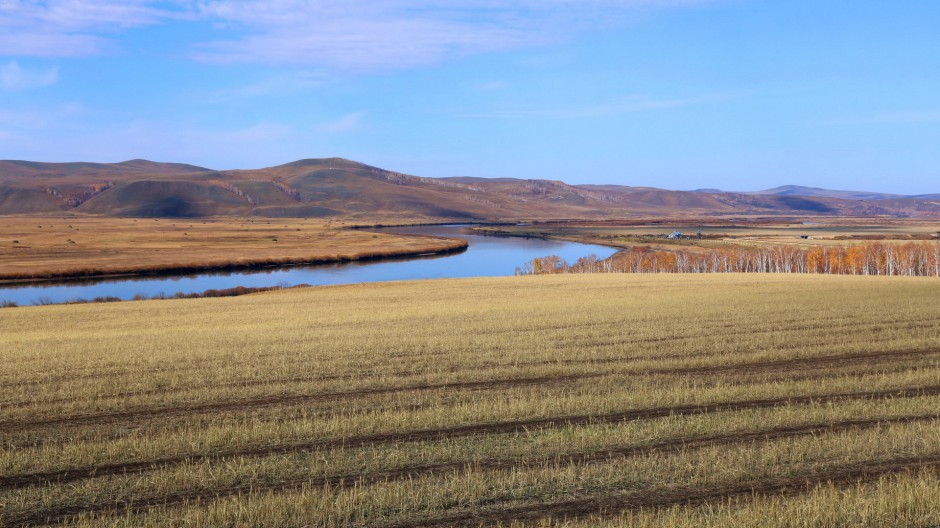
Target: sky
(682,94)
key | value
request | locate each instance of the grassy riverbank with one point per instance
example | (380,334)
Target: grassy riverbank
(38,248)
(657,400)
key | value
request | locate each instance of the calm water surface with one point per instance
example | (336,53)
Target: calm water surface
(487,256)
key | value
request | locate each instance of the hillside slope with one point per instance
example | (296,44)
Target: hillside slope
(799,190)
(335,187)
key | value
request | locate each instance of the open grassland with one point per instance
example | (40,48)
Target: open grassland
(577,400)
(33,247)
(718,233)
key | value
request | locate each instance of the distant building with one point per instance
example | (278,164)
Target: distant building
(675,235)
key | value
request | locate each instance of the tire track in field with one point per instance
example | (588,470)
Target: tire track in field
(32,440)
(71,374)
(827,327)
(686,496)
(386,373)
(430,470)
(275,400)
(459,431)
(359,375)
(797,362)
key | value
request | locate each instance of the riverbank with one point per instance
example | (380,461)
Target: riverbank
(43,249)
(485,256)
(704,235)
(549,231)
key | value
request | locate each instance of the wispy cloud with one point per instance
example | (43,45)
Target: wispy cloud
(67,28)
(290,83)
(261,132)
(15,77)
(906,117)
(631,104)
(357,42)
(384,34)
(350,35)
(38,118)
(35,43)
(346,123)
(75,15)
(491,86)
(257,144)
(29,131)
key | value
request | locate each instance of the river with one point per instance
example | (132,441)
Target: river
(486,256)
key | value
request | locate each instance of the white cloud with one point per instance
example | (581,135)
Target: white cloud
(33,43)
(352,35)
(76,15)
(68,28)
(388,34)
(15,77)
(365,44)
(346,123)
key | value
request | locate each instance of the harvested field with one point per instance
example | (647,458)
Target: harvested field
(575,400)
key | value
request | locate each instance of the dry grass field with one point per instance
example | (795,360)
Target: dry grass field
(34,247)
(574,400)
(821,231)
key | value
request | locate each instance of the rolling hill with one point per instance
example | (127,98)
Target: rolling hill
(798,190)
(335,187)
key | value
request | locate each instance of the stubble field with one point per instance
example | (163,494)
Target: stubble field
(612,400)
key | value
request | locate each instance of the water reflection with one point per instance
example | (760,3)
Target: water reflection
(486,256)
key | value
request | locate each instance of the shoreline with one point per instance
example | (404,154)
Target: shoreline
(548,236)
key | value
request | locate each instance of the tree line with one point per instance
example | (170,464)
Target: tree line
(910,259)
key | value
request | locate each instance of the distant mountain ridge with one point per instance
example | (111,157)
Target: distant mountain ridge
(798,190)
(801,190)
(336,187)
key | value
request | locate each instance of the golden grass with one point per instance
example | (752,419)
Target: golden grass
(822,231)
(908,500)
(34,247)
(575,400)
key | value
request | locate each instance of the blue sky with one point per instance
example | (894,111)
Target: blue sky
(680,94)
